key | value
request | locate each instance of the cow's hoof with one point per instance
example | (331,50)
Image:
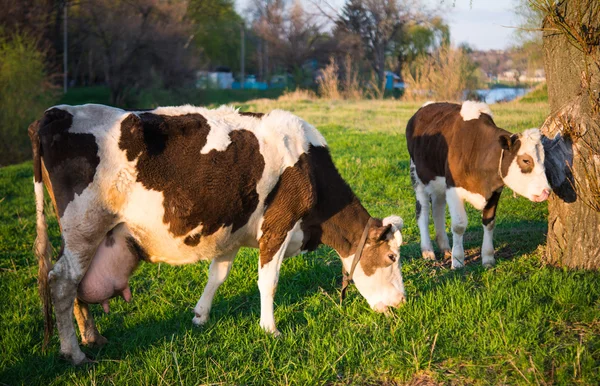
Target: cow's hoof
(447,254)
(77,359)
(489,263)
(200,319)
(428,255)
(96,341)
(456,264)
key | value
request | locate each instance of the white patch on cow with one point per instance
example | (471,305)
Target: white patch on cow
(475,199)
(436,187)
(459,225)
(472,110)
(218,138)
(531,185)
(428,103)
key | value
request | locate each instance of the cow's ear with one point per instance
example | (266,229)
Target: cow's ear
(379,233)
(505,142)
(508,142)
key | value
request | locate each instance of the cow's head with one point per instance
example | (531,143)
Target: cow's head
(377,276)
(522,165)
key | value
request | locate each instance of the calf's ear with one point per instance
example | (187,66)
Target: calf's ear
(379,233)
(507,142)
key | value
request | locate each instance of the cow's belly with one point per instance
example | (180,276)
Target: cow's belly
(144,213)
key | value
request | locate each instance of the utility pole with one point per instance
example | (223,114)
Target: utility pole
(65,49)
(242,56)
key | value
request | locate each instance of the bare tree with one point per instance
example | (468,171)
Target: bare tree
(376,23)
(289,35)
(138,41)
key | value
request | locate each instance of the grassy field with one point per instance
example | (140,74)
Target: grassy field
(519,323)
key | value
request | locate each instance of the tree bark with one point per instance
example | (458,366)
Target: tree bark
(572,64)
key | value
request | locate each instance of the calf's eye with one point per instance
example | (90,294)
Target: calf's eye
(392,257)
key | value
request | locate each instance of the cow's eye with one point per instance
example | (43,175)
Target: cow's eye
(392,257)
(526,161)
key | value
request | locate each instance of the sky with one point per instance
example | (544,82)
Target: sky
(483,24)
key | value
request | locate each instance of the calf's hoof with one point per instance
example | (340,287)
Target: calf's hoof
(271,330)
(200,319)
(488,262)
(457,264)
(428,255)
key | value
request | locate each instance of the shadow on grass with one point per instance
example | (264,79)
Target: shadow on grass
(295,285)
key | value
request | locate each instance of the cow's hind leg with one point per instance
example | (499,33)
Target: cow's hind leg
(87,328)
(438,209)
(459,225)
(217,274)
(80,243)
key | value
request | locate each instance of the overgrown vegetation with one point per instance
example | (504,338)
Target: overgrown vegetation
(446,75)
(521,322)
(25,92)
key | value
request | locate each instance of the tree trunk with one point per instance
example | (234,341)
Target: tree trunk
(572,61)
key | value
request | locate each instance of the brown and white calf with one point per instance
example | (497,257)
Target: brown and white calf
(183,184)
(458,154)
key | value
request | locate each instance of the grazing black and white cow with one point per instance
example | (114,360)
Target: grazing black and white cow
(458,154)
(182,184)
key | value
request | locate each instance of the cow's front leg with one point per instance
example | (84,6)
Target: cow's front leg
(87,328)
(489,223)
(272,252)
(459,225)
(64,279)
(217,274)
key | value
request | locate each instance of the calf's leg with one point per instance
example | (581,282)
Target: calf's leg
(459,225)
(217,274)
(422,212)
(489,223)
(438,209)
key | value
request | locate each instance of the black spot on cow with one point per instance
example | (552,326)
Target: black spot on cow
(192,240)
(418,209)
(70,158)
(136,249)
(214,190)
(251,114)
(109,239)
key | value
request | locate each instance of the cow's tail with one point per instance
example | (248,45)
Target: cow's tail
(42,247)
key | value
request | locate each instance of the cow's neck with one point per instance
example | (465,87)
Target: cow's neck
(343,230)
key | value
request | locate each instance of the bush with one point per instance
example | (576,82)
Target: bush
(24,95)
(443,76)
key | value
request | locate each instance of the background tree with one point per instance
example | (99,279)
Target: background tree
(137,43)
(376,24)
(571,45)
(216,29)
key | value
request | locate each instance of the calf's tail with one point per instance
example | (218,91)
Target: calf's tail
(42,247)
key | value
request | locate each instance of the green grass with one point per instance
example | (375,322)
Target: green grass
(521,322)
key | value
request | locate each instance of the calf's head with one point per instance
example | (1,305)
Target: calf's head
(377,276)
(522,165)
